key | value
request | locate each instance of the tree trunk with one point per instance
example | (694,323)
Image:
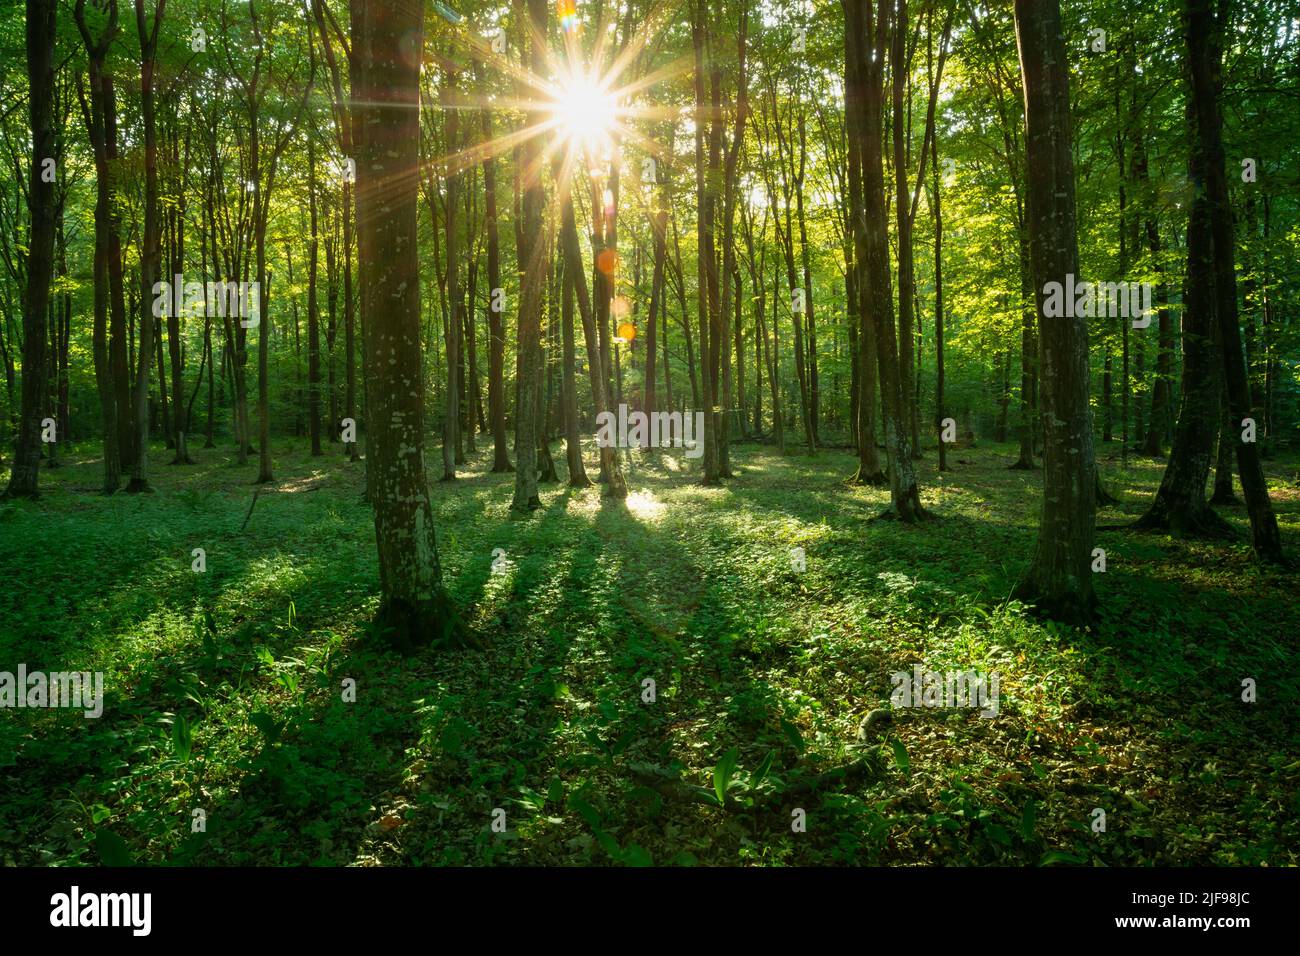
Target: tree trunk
(496,302)
(150,242)
(938,307)
(1204,34)
(105,222)
(615,486)
(451,330)
(568,391)
(534,270)
(414,609)
(905,499)
(1059,578)
(41,204)
(313,306)
(856,285)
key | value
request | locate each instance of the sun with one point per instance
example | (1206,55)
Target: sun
(584,111)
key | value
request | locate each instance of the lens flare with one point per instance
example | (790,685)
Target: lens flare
(585,112)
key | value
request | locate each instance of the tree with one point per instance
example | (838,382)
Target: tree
(1059,577)
(534,268)
(41,204)
(101,128)
(496,324)
(1204,33)
(905,498)
(150,240)
(415,609)
(864,411)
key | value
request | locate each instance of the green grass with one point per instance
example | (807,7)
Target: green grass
(224,689)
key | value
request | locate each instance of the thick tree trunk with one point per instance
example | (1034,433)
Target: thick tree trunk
(905,499)
(414,609)
(869,471)
(1204,33)
(42,205)
(1180,506)
(534,269)
(1059,578)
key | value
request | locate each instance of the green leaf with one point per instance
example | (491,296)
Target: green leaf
(182,737)
(1028,821)
(901,760)
(585,810)
(1058,856)
(722,774)
(634,855)
(792,734)
(112,849)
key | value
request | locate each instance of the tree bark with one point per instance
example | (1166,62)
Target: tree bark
(533,268)
(41,204)
(1204,34)
(1059,577)
(415,609)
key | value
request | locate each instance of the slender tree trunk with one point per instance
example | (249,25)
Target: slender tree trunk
(1223,494)
(496,303)
(451,454)
(659,227)
(899,65)
(939,409)
(705,198)
(615,486)
(313,306)
(180,420)
(1162,388)
(96,123)
(150,251)
(569,392)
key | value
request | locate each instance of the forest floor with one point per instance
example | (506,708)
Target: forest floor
(224,690)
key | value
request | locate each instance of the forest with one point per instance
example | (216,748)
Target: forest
(650,433)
